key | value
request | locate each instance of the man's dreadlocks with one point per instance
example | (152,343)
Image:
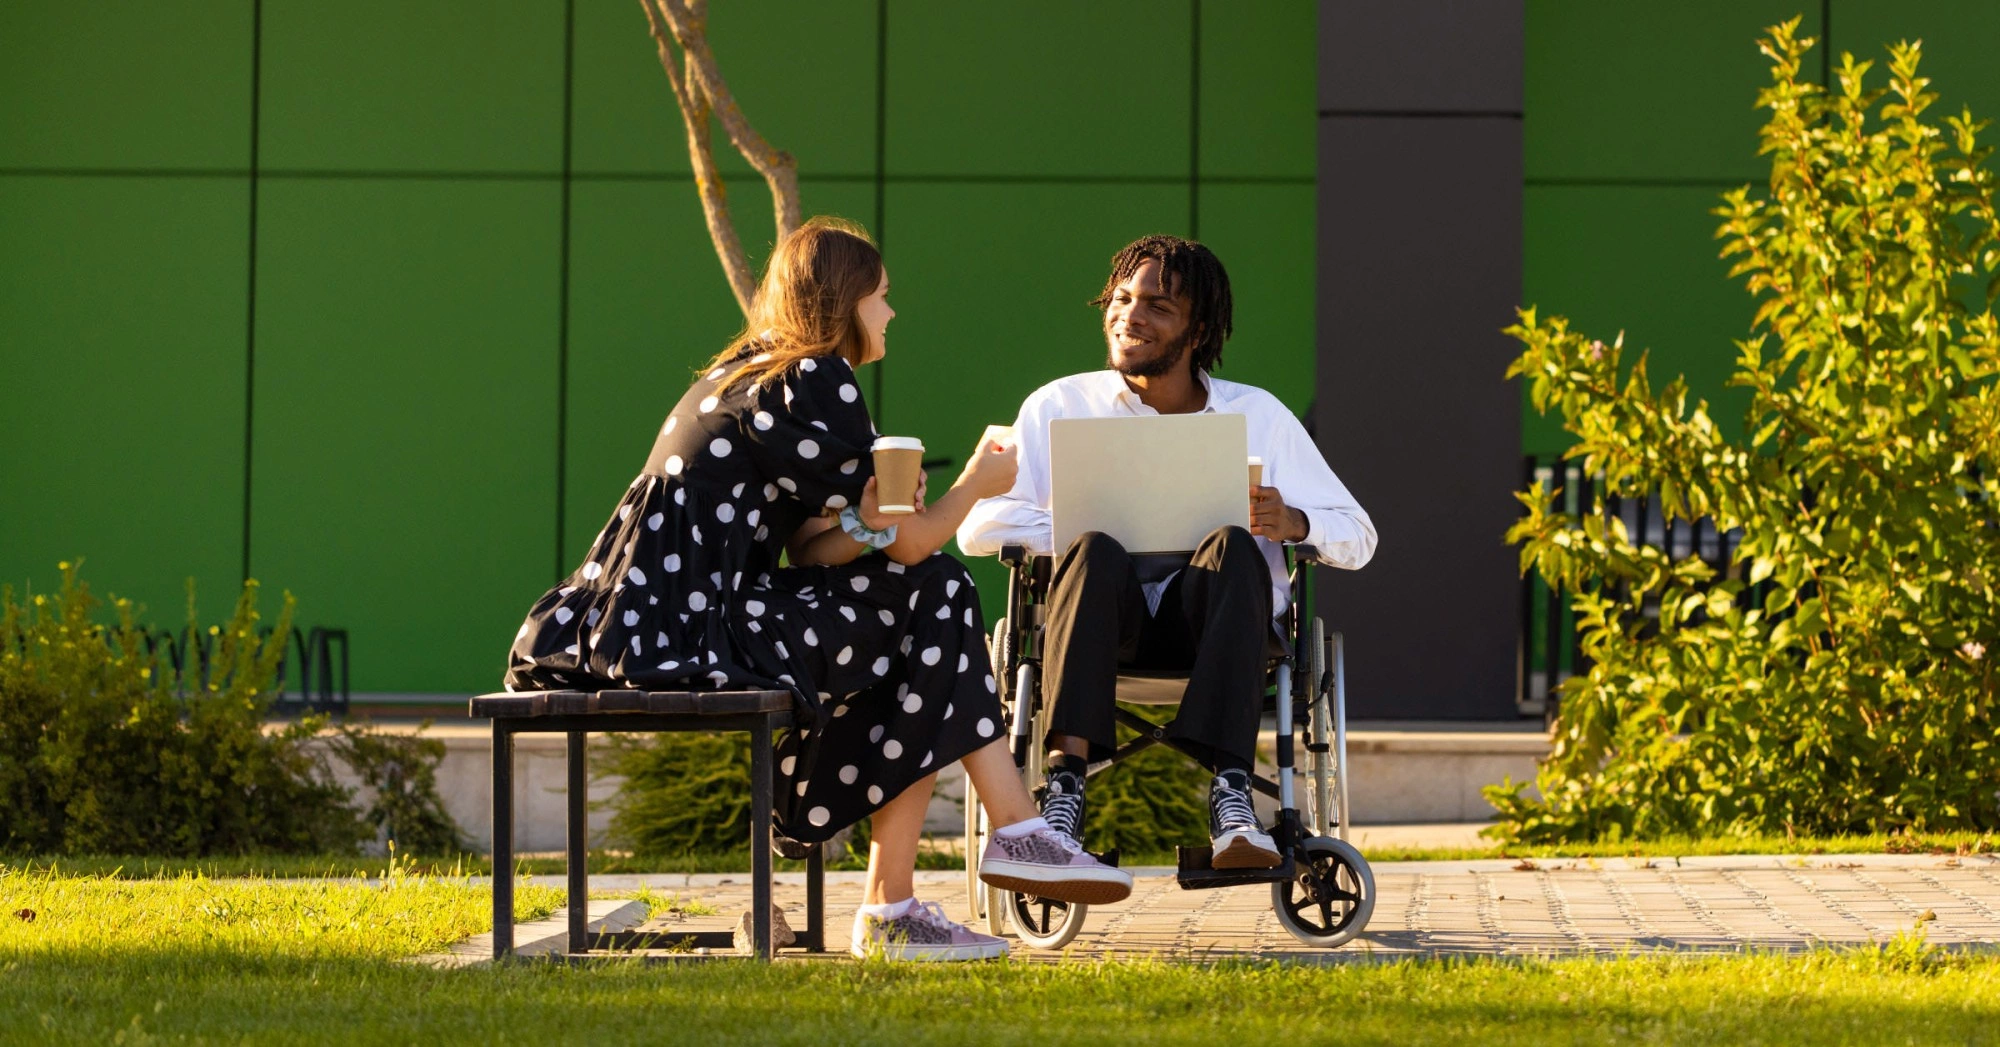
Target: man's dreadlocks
(1186,268)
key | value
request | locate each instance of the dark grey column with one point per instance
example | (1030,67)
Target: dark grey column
(1419,270)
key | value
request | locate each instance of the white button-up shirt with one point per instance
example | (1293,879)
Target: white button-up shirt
(1335,525)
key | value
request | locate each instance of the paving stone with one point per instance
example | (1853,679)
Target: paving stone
(1492,909)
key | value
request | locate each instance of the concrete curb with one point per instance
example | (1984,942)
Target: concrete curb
(546,936)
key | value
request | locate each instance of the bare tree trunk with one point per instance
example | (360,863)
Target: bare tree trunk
(700,92)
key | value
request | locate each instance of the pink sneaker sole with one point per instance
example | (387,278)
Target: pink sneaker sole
(1078,886)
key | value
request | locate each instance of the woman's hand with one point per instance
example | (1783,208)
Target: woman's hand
(991,470)
(870,511)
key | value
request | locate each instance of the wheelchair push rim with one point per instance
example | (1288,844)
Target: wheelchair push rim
(1327,903)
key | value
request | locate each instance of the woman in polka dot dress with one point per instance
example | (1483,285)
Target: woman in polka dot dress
(768,455)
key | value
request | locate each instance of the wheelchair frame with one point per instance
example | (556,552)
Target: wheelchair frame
(1321,872)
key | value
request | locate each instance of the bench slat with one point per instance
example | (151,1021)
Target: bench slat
(657,703)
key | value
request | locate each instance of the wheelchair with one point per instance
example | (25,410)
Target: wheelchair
(1323,891)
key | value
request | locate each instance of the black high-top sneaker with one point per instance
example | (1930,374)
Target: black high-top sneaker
(1238,841)
(1062,799)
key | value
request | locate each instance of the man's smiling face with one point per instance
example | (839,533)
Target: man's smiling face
(1145,327)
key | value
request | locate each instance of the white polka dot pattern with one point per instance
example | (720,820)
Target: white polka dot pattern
(693,598)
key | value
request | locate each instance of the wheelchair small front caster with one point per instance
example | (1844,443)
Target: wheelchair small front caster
(1327,903)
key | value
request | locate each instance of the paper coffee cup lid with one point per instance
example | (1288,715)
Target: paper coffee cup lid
(898,443)
(1254,460)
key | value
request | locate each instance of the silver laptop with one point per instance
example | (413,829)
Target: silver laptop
(1157,483)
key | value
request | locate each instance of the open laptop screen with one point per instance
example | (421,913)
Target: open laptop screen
(1157,483)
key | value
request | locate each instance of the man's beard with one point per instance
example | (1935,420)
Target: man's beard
(1165,362)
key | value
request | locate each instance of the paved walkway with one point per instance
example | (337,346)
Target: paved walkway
(1491,908)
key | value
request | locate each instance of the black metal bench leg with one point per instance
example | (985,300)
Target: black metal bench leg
(760,840)
(579,835)
(816,900)
(503,840)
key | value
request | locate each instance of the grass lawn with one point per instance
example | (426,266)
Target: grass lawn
(193,960)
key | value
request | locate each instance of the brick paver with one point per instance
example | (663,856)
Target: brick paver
(1497,908)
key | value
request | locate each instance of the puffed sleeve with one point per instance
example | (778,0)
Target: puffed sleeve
(811,434)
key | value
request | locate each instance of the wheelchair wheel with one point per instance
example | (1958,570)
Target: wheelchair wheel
(1319,737)
(975,892)
(1044,922)
(1329,901)
(981,901)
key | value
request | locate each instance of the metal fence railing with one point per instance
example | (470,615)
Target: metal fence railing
(312,676)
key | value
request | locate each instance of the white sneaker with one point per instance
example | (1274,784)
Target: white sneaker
(922,933)
(1236,840)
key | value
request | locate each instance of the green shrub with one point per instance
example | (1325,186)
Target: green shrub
(688,793)
(1836,678)
(684,793)
(105,749)
(400,772)
(1148,804)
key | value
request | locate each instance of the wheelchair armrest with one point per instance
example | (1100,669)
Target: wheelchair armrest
(1306,552)
(1014,555)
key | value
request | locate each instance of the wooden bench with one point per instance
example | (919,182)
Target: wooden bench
(578,714)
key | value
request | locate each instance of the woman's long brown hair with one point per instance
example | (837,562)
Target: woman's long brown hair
(807,303)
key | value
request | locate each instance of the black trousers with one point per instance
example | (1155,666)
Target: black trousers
(1214,621)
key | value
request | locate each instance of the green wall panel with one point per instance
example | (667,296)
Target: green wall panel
(125,85)
(1958,38)
(1266,238)
(406,417)
(802,70)
(1644,90)
(990,290)
(648,305)
(412,85)
(1259,89)
(1039,87)
(122,322)
(1641,260)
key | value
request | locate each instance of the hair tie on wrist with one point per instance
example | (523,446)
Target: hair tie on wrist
(850,522)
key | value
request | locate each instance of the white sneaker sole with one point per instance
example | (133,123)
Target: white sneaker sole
(929,953)
(1242,849)
(1085,885)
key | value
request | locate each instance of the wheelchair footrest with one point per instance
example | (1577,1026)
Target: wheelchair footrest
(1195,872)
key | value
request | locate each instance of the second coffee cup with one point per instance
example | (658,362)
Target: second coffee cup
(899,464)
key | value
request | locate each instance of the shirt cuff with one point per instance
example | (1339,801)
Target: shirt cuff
(1315,531)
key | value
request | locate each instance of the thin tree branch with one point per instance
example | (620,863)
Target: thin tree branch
(692,96)
(779,168)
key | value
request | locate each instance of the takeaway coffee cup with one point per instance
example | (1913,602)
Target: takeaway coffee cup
(899,463)
(1256,471)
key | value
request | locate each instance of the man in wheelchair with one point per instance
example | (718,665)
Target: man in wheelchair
(1166,314)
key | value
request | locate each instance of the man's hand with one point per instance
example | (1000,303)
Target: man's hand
(1271,518)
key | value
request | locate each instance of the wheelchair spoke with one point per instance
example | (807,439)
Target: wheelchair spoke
(1326,914)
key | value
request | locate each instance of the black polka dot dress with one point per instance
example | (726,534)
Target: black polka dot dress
(684,590)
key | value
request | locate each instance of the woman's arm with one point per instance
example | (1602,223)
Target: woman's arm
(989,473)
(820,540)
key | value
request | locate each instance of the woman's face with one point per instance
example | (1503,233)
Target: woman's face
(875,314)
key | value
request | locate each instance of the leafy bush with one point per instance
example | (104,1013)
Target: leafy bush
(400,773)
(105,749)
(1835,678)
(687,793)
(684,793)
(1148,804)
